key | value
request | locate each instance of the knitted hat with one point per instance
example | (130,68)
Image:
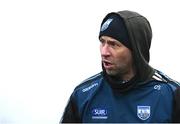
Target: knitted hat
(114,26)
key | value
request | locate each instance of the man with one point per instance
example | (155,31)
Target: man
(128,89)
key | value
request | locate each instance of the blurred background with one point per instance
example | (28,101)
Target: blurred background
(47,47)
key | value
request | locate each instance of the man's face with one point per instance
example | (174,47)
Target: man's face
(116,58)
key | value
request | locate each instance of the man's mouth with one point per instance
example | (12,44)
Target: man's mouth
(107,64)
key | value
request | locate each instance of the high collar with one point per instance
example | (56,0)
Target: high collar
(121,85)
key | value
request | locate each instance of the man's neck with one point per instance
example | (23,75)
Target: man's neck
(128,75)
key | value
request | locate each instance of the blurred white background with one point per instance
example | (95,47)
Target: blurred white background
(47,47)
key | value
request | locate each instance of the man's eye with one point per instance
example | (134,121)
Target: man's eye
(113,44)
(101,41)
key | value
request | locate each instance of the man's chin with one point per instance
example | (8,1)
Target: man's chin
(111,72)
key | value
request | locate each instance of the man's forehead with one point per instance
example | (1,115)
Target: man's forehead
(108,39)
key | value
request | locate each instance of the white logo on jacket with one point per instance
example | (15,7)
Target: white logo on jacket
(90,87)
(157,87)
(99,113)
(143,112)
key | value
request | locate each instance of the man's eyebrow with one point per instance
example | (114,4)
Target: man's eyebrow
(109,41)
(101,38)
(115,41)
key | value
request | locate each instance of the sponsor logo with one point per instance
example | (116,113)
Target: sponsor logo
(157,87)
(99,113)
(143,112)
(106,24)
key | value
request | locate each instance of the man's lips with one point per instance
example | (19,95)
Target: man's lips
(107,64)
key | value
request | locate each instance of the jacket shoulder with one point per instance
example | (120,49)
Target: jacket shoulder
(160,76)
(86,89)
(79,98)
(89,83)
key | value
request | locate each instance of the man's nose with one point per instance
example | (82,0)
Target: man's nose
(105,50)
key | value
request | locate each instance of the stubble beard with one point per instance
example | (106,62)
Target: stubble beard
(119,71)
(113,72)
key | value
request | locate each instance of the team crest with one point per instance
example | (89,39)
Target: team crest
(143,112)
(106,24)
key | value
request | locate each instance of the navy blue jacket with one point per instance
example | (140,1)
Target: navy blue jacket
(96,101)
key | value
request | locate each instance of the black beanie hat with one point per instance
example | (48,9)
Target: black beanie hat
(113,26)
